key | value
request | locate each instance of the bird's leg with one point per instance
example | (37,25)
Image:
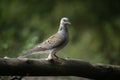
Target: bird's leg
(55,56)
(52,56)
(49,56)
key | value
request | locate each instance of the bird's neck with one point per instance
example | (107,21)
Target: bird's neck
(63,29)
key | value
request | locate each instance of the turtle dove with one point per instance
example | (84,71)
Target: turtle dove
(54,43)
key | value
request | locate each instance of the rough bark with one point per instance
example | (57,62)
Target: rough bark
(61,67)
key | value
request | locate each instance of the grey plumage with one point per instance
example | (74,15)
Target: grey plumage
(54,43)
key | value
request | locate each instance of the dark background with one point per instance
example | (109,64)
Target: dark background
(94,30)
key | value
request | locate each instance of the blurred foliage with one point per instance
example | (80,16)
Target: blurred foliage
(94,33)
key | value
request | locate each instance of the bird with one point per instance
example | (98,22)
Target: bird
(54,43)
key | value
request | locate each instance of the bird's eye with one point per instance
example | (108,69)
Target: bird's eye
(64,20)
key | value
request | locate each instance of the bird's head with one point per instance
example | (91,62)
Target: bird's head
(65,21)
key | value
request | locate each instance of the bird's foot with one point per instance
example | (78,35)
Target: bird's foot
(51,58)
(55,59)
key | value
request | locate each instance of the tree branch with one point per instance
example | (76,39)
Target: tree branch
(61,67)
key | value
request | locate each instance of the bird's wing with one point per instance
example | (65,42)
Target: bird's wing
(52,42)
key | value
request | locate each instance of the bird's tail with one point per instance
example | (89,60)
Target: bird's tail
(32,51)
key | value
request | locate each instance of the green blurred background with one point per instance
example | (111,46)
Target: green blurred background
(94,32)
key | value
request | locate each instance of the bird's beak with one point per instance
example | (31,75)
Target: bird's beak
(69,23)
